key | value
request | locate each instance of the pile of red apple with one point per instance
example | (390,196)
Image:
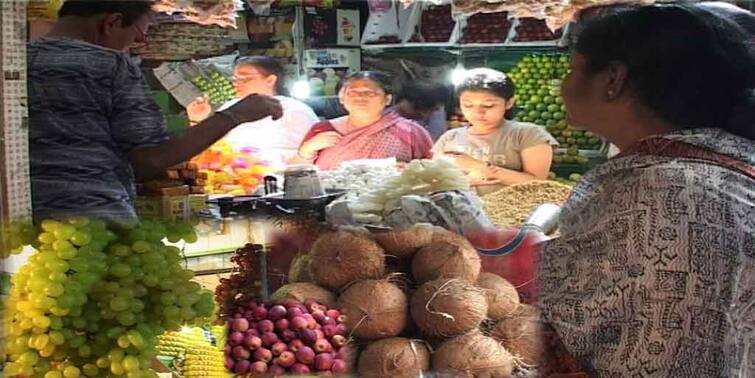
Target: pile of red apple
(486,28)
(533,29)
(295,338)
(436,25)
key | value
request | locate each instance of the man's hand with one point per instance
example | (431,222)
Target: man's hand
(319,142)
(255,107)
(199,109)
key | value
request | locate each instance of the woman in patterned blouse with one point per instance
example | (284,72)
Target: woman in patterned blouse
(654,272)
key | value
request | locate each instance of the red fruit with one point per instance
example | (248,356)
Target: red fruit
(281,325)
(341,319)
(319,316)
(227,348)
(338,341)
(295,345)
(320,333)
(262,354)
(311,322)
(241,367)
(322,346)
(294,312)
(288,335)
(333,313)
(277,312)
(269,338)
(309,336)
(309,303)
(252,342)
(277,370)
(327,320)
(298,323)
(279,348)
(305,355)
(322,307)
(236,338)
(237,315)
(259,367)
(251,332)
(240,353)
(229,362)
(329,330)
(300,369)
(323,361)
(265,326)
(260,313)
(342,330)
(251,305)
(286,359)
(339,367)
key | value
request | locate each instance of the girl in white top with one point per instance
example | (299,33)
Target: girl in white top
(275,141)
(493,150)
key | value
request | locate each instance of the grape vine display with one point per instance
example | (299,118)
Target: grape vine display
(93,298)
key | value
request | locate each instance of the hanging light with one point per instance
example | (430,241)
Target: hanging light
(458,74)
(301,89)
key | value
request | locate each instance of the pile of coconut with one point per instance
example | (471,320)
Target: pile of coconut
(416,301)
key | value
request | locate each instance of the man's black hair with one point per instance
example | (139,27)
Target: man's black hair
(423,95)
(131,10)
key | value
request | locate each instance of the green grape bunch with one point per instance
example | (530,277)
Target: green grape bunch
(215,86)
(93,298)
(15,236)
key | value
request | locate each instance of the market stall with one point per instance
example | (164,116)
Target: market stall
(243,266)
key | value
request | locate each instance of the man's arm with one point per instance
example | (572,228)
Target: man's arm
(150,162)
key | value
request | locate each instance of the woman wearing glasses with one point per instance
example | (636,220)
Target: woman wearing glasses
(369,131)
(272,140)
(495,150)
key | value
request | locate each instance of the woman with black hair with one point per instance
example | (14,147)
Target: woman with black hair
(654,271)
(369,131)
(495,150)
(275,141)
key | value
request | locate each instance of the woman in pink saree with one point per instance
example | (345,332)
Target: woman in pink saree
(369,131)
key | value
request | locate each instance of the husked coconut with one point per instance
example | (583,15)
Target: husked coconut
(394,357)
(375,309)
(448,307)
(503,299)
(345,256)
(403,244)
(301,291)
(473,355)
(450,258)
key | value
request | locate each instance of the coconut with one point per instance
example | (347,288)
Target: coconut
(404,243)
(448,307)
(394,357)
(449,258)
(299,270)
(301,291)
(375,309)
(342,257)
(473,355)
(522,334)
(502,296)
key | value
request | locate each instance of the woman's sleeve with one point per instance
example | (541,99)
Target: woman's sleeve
(317,128)
(422,143)
(440,145)
(534,135)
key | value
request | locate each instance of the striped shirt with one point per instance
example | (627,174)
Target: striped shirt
(89,107)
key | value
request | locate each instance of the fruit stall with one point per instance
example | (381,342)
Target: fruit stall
(390,270)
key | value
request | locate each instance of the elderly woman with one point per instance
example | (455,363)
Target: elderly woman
(369,131)
(653,274)
(493,149)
